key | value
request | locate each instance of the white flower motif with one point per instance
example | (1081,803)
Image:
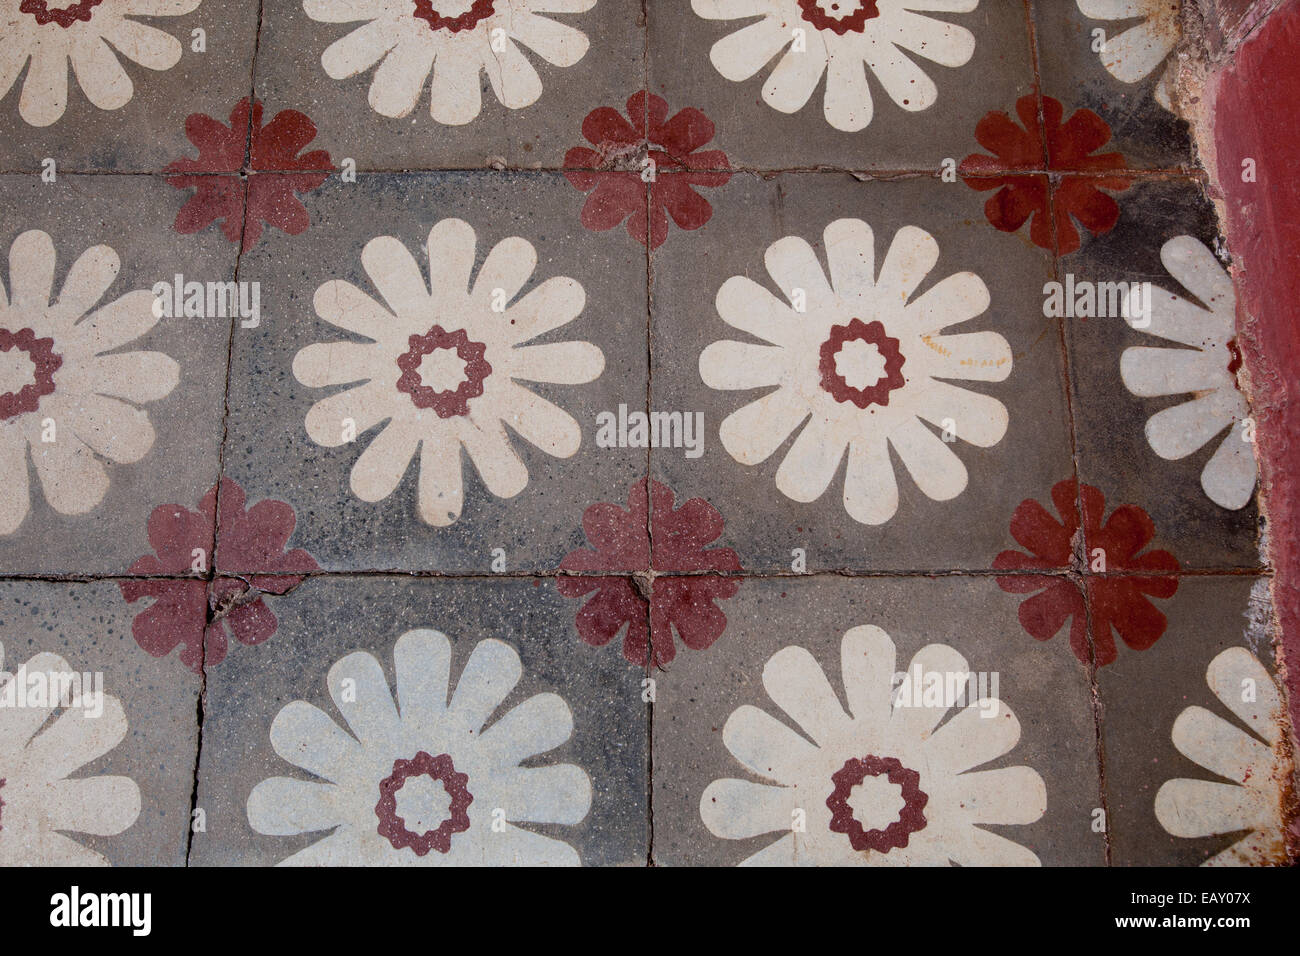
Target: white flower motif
(37,800)
(1207,370)
(60,393)
(862,365)
(441,367)
(1135,53)
(53,33)
(1257,765)
(420,782)
(879,785)
(836,37)
(456,40)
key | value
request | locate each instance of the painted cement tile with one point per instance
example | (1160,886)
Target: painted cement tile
(1195,764)
(317,704)
(112,398)
(1120,68)
(799,83)
(108,84)
(548,334)
(450,84)
(109,780)
(1160,420)
(933,361)
(805,734)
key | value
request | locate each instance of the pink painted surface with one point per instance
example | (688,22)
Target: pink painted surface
(1255,118)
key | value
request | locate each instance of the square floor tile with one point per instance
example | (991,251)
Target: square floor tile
(1160,421)
(773,462)
(111,776)
(752,738)
(400,91)
(798,83)
(123,106)
(515,502)
(1190,732)
(1121,70)
(124,409)
(575,716)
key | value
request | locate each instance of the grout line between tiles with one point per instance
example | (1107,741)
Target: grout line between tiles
(1072,427)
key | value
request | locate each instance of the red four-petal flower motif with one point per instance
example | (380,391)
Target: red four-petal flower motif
(268,186)
(1067,147)
(668,589)
(198,613)
(612,171)
(1119,595)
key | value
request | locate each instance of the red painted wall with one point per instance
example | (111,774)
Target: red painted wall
(1256,113)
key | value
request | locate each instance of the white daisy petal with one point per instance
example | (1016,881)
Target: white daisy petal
(399,81)
(1219,747)
(797,684)
(381,467)
(812,461)
(1239,680)
(765,745)
(540,724)
(305,736)
(931,462)
(870,489)
(740,809)
(283,806)
(455,94)
(1229,476)
(743,53)
(360,691)
(442,488)
(795,78)
(752,433)
(739,365)
(1179,430)
(559,793)
(422,660)
(490,675)
(1198,808)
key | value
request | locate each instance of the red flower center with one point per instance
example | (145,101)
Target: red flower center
(453,348)
(439,769)
(64,17)
(44,361)
(909,819)
(864,350)
(840,16)
(464,18)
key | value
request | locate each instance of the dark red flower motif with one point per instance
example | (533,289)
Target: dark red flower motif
(451,402)
(662,588)
(267,185)
(612,171)
(64,17)
(1118,597)
(440,769)
(842,16)
(873,333)
(2,804)
(45,362)
(426,11)
(198,613)
(910,818)
(1067,148)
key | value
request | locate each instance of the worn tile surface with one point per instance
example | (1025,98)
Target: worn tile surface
(623,434)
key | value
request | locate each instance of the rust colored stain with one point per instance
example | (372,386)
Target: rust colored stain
(1254,119)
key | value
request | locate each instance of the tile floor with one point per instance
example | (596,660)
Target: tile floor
(854,466)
